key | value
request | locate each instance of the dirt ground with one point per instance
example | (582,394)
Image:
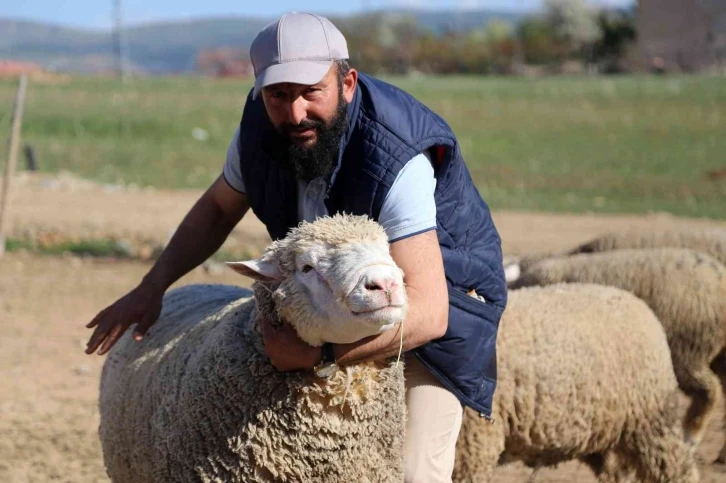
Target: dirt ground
(48,396)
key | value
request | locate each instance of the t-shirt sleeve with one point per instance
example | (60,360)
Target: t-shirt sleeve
(232,172)
(409,207)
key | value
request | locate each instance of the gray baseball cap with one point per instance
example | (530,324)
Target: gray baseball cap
(297,48)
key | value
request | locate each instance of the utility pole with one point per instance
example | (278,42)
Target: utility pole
(119,45)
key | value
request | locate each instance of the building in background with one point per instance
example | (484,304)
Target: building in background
(680,36)
(14,68)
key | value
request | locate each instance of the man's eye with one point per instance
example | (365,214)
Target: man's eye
(306,268)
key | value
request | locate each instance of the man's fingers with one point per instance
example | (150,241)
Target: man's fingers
(101,333)
(97,318)
(97,337)
(113,336)
(143,326)
(267,331)
(92,345)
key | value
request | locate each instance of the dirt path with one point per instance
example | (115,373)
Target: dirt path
(75,208)
(48,397)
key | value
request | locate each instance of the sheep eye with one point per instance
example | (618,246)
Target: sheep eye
(306,268)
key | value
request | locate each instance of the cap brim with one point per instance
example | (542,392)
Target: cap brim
(306,72)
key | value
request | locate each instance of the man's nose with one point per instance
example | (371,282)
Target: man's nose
(297,111)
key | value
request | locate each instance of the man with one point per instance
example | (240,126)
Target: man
(315,138)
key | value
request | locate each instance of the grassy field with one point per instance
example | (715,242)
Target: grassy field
(625,144)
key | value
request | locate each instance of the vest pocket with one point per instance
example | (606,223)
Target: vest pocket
(486,310)
(477,323)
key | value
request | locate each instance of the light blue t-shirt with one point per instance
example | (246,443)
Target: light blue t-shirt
(409,207)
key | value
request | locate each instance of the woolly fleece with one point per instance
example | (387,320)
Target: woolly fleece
(198,399)
(687,292)
(711,241)
(584,372)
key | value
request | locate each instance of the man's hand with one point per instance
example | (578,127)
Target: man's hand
(200,234)
(141,306)
(287,351)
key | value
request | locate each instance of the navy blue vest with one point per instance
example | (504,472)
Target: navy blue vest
(388,127)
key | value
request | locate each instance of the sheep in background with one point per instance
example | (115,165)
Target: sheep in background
(711,241)
(584,372)
(198,399)
(687,292)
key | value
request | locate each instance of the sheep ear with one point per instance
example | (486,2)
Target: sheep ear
(258,269)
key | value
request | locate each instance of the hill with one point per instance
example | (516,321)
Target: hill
(171,47)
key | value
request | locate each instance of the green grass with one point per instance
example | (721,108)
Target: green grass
(89,248)
(620,144)
(108,248)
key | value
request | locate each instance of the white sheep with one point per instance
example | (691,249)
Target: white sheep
(584,372)
(707,240)
(711,241)
(686,290)
(198,399)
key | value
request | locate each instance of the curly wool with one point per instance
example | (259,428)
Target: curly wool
(341,230)
(199,400)
(687,292)
(711,241)
(584,372)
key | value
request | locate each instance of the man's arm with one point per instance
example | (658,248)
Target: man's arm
(201,233)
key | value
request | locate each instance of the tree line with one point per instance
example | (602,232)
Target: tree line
(564,31)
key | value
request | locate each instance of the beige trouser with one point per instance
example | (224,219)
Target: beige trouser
(434,420)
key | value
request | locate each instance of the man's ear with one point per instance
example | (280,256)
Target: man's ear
(261,269)
(349,85)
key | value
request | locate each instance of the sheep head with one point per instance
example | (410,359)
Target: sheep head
(333,279)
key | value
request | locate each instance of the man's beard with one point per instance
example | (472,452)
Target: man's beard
(320,159)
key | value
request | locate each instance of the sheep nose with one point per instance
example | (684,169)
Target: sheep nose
(383,284)
(378,286)
(379,278)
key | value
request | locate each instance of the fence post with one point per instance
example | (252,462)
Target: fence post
(12,158)
(30,158)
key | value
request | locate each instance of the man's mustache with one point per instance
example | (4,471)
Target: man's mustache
(304,125)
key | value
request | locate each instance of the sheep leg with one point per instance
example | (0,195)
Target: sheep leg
(607,467)
(719,367)
(533,477)
(703,387)
(657,450)
(669,461)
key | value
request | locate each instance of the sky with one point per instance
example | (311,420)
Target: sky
(95,14)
